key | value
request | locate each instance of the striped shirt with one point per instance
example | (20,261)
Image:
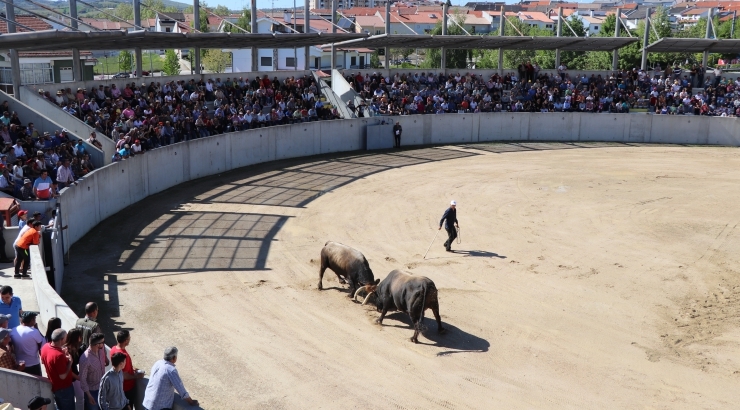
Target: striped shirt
(162,383)
(92,367)
(111,396)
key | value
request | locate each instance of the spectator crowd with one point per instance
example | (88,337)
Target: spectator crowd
(36,164)
(669,91)
(77,364)
(146,116)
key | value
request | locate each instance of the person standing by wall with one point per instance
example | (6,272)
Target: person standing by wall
(110,395)
(397,131)
(89,324)
(449,218)
(92,367)
(130,373)
(27,341)
(11,306)
(31,237)
(58,366)
(164,380)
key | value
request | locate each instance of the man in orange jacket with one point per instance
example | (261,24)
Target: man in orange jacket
(30,237)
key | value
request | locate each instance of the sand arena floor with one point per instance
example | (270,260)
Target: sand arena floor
(589,276)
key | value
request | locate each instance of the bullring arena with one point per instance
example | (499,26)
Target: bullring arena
(589,275)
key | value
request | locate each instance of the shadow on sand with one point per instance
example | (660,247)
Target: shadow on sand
(455,340)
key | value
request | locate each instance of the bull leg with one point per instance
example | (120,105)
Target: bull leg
(435,310)
(382,316)
(321,272)
(352,286)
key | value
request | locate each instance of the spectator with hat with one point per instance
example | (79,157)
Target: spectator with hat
(7,361)
(11,306)
(38,403)
(163,382)
(27,191)
(58,364)
(92,367)
(27,342)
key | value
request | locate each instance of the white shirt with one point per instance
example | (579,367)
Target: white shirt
(27,342)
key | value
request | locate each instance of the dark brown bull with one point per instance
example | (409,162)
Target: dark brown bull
(406,293)
(347,263)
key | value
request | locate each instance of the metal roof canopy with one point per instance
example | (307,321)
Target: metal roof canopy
(491,42)
(695,45)
(52,40)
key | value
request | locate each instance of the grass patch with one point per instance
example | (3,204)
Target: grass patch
(109,65)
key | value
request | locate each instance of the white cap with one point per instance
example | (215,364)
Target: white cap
(453,202)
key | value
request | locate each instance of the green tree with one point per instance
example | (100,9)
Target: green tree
(221,11)
(454,58)
(244,22)
(124,11)
(125,61)
(375,59)
(171,63)
(216,60)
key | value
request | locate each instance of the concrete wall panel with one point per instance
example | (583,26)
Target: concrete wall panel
(679,129)
(604,127)
(339,136)
(164,167)
(80,207)
(452,128)
(299,140)
(113,191)
(138,179)
(208,156)
(639,128)
(503,127)
(554,126)
(723,131)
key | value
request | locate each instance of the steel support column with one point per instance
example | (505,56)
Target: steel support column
(559,33)
(501,32)
(137,50)
(15,65)
(253,29)
(445,10)
(334,30)
(645,41)
(76,66)
(615,53)
(387,32)
(196,22)
(307,29)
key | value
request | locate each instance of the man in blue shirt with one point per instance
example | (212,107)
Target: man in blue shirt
(11,305)
(164,380)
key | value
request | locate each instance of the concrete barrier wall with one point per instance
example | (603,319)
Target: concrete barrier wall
(108,190)
(19,388)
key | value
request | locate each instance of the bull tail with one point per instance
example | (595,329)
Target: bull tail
(423,307)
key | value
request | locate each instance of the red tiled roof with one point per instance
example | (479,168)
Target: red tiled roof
(32,22)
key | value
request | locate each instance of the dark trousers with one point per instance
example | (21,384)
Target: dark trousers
(397,141)
(24,258)
(34,370)
(3,255)
(451,235)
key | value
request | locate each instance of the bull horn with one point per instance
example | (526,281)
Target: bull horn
(354,297)
(367,297)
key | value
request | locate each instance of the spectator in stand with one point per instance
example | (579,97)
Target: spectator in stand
(111,395)
(27,342)
(11,306)
(3,255)
(65,177)
(22,249)
(4,321)
(7,361)
(58,365)
(52,325)
(92,367)
(130,373)
(42,186)
(27,191)
(163,381)
(89,324)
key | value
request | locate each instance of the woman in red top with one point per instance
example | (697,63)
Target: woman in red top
(30,237)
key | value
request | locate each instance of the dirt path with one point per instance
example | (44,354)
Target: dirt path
(595,277)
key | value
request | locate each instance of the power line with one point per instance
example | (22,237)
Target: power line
(111,15)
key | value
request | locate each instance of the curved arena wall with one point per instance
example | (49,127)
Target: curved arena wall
(110,189)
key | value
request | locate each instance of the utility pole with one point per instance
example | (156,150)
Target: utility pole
(387,33)
(710,25)
(76,66)
(445,10)
(196,23)
(137,23)
(15,65)
(334,30)
(253,30)
(615,53)
(501,32)
(559,33)
(645,40)
(307,29)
